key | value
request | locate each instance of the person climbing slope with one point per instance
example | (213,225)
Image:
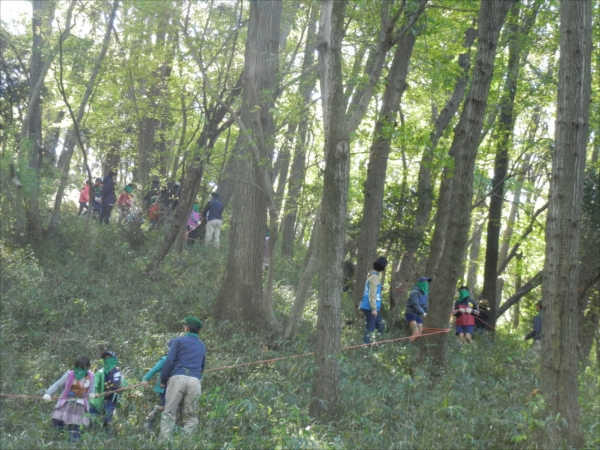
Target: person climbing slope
(84,197)
(107,380)
(149,424)
(416,307)
(465,309)
(77,386)
(371,302)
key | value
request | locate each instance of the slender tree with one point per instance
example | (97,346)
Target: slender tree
(331,237)
(72,137)
(558,377)
(517,51)
(464,151)
(378,160)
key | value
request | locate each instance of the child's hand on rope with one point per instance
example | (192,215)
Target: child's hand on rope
(47,398)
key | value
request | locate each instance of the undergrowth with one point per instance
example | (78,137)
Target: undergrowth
(81,293)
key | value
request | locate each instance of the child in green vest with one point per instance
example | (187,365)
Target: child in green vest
(107,381)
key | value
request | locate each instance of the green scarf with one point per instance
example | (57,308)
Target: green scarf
(109,364)
(424,286)
(128,189)
(462,294)
(196,207)
(80,372)
(192,334)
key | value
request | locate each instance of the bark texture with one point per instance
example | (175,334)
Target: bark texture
(325,389)
(464,151)
(561,270)
(241,295)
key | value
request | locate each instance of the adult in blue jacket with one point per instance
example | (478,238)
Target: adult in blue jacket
(108,198)
(213,213)
(416,307)
(182,370)
(371,302)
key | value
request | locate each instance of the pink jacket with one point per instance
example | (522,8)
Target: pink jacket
(68,383)
(84,196)
(193,219)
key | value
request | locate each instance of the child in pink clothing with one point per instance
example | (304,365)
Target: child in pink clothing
(77,386)
(84,197)
(193,223)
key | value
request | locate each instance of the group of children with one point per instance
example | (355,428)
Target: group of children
(102,200)
(465,310)
(86,395)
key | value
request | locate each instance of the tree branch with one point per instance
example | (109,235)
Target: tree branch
(527,287)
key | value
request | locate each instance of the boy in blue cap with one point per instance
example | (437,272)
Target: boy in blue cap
(416,307)
(107,380)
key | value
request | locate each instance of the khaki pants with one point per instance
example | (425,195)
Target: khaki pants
(537,347)
(180,388)
(213,231)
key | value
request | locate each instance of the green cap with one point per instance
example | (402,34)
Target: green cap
(193,322)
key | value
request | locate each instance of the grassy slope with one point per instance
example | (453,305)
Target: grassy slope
(80,294)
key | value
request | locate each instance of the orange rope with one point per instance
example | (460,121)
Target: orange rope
(431,332)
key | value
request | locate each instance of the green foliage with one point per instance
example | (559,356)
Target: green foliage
(81,293)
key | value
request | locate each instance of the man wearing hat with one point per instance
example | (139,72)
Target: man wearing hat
(416,307)
(213,211)
(182,370)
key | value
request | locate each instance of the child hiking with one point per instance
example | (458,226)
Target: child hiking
(371,302)
(107,380)
(77,386)
(149,424)
(84,197)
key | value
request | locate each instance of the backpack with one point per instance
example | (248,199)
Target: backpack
(153,213)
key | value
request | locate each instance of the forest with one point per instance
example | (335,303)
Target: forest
(458,141)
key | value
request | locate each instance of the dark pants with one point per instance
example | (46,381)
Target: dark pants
(108,409)
(73,430)
(82,205)
(105,213)
(372,322)
(192,235)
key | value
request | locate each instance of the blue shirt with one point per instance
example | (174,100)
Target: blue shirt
(186,356)
(213,210)
(417,302)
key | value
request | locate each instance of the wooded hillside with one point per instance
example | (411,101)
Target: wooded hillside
(459,139)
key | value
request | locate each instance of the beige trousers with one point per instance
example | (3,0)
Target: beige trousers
(186,389)
(213,231)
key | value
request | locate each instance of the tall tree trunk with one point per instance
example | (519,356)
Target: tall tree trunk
(378,159)
(307,83)
(154,117)
(325,388)
(241,295)
(558,377)
(71,136)
(516,52)
(358,107)
(404,273)
(474,256)
(41,12)
(464,151)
